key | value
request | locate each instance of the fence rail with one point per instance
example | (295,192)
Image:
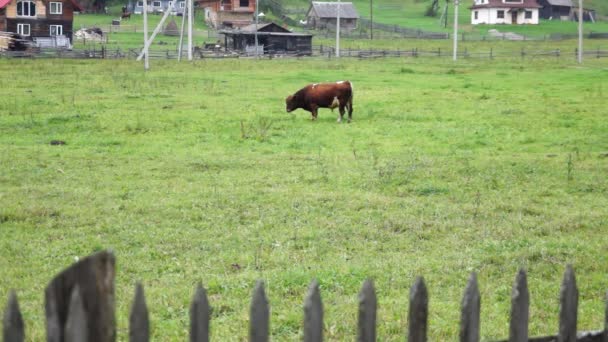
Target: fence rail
(316,51)
(79,306)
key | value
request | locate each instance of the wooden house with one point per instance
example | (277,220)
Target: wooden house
(272,39)
(555,9)
(511,12)
(228,13)
(38,18)
(323,15)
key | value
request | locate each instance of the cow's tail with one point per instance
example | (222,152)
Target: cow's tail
(349,103)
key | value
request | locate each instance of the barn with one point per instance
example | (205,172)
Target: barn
(272,37)
(323,15)
(555,9)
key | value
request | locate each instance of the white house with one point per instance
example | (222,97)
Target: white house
(504,12)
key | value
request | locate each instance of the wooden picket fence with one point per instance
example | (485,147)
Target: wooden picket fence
(79,305)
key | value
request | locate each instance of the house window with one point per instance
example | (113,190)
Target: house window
(500,14)
(513,1)
(476,15)
(156,4)
(140,4)
(56,8)
(244,3)
(182,4)
(56,30)
(528,14)
(23,29)
(26,9)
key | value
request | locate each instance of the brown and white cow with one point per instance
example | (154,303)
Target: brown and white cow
(323,95)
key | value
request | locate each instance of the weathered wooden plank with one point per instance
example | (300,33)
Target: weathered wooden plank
(200,316)
(568,307)
(469,322)
(367,313)
(313,314)
(419,312)
(259,320)
(139,323)
(520,306)
(13,329)
(94,276)
(76,325)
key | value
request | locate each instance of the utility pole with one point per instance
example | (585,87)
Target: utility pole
(580,31)
(456,3)
(181,37)
(338,31)
(146,57)
(190,17)
(256,28)
(371,20)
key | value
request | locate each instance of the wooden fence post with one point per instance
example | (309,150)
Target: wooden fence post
(139,323)
(259,315)
(419,312)
(199,316)
(313,314)
(94,277)
(469,322)
(520,305)
(568,307)
(12,323)
(605,337)
(76,327)
(367,313)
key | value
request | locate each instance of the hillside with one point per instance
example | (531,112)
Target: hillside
(410,13)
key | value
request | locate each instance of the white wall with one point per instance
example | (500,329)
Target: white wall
(490,16)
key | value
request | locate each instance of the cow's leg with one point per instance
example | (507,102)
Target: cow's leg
(341,113)
(350,109)
(314,112)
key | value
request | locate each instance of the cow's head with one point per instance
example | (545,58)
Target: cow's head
(290,103)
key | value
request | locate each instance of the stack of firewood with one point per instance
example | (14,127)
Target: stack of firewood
(13,42)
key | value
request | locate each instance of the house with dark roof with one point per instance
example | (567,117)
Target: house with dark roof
(504,12)
(323,15)
(272,39)
(38,18)
(555,9)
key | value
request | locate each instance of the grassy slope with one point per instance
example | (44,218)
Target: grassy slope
(447,169)
(410,13)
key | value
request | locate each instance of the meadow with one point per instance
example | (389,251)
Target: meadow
(193,172)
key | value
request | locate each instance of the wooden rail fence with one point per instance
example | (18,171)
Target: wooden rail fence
(79,305)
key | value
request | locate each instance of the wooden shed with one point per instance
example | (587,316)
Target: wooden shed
(323,15)
(272,38)
(555,9)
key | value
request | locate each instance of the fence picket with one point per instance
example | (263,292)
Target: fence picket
(419,312)
(13,329)
(469,323)
(139,324)
(520,305)
(76,323)
(568,307)
(313,314)
(259,321)
(605,337)
(199,316)
(367,313)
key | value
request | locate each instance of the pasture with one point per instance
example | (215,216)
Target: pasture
(194,172)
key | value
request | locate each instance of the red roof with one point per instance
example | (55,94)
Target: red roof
(501,4)
(4,3)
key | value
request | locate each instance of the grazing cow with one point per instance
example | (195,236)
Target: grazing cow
(323,95)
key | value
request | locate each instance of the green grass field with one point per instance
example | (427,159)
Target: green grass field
(191,169)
